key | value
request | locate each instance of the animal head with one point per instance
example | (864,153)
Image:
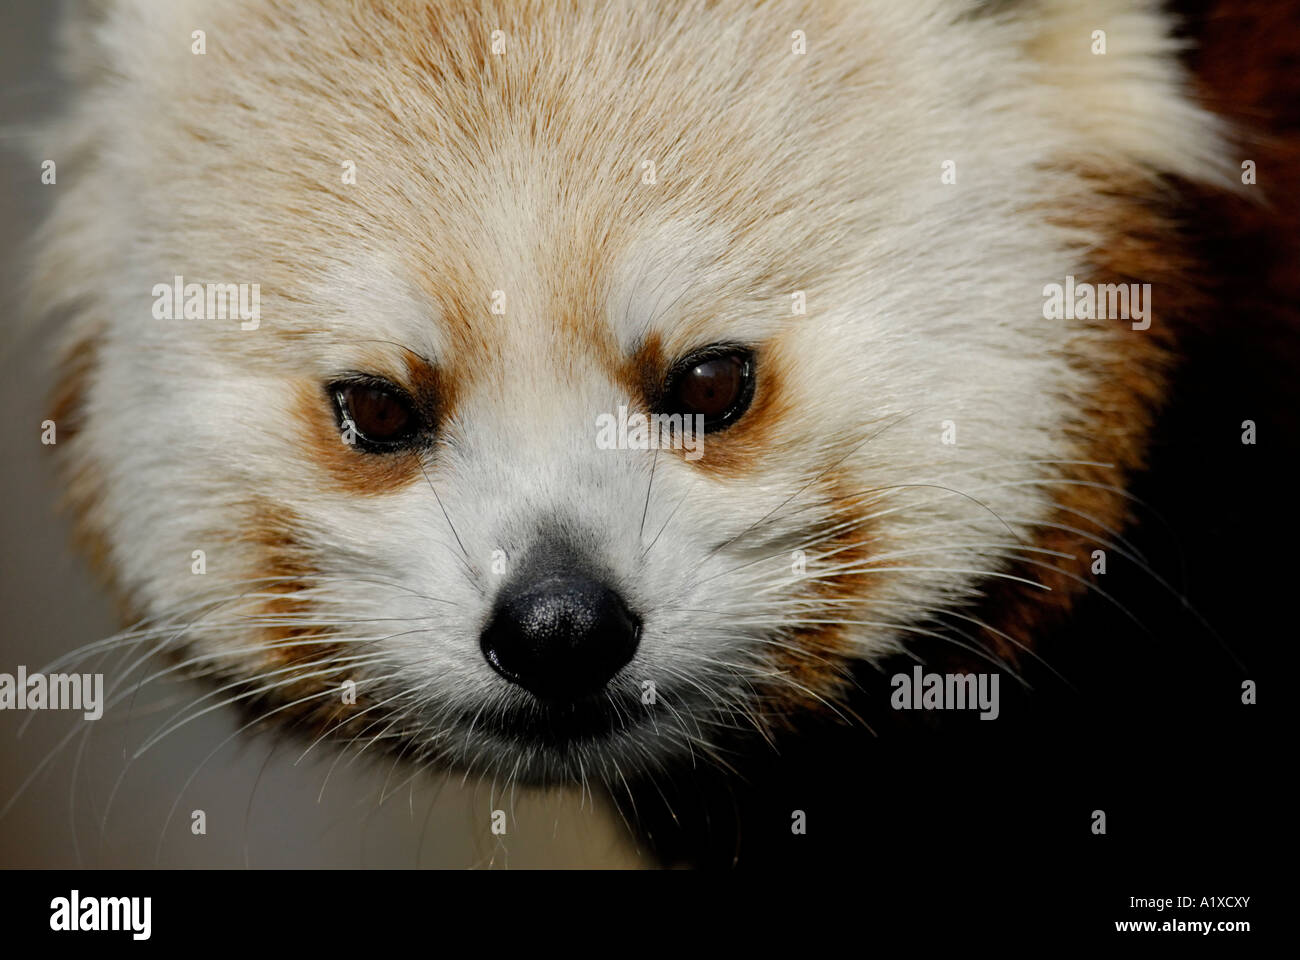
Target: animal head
(412,491)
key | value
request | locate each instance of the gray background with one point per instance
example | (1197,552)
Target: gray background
(262,809)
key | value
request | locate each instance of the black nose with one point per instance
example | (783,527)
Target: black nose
(561,637)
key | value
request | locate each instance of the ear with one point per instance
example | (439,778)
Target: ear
(1116,84)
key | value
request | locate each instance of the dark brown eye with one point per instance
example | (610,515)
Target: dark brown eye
(377,414)
(717,384)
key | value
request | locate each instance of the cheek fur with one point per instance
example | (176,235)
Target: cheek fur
(814,660)
(291,648)
(82,478)
(1141,244)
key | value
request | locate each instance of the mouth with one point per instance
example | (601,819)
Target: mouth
(559,726)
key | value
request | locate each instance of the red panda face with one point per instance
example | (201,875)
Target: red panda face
(618,379)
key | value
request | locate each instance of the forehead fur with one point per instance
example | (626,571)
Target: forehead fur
(508,147)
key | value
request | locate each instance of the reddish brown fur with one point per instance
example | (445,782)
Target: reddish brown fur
(1212,259)
(292,650)
(815,662)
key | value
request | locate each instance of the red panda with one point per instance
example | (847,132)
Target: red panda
(607,395)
